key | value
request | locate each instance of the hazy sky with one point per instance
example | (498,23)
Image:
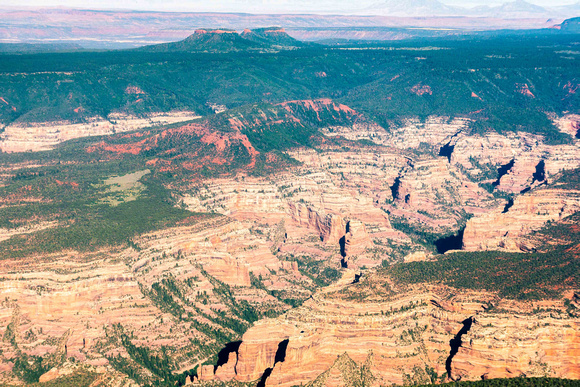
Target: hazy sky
(250,5)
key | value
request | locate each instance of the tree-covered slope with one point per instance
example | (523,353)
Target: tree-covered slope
(207,40)
(553,268)
(503,84)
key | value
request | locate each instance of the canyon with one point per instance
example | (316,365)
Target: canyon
(176,287)
(403,336)
(505,229)
(244,209)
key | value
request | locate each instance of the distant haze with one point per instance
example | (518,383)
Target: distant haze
(259,6)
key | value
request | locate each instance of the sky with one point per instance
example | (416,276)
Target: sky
(238,5)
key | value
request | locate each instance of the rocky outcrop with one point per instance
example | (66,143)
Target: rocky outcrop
(408,334)
(330,227)
(481,158)
(504,229)
(324,109)
(521,175)
(107,376)
(345,372)
(28,229)
(311,202)
(518,346)
(435,195)
(242,199)
(76,295)
(20,137)
(87,293)
(413,133)
(226,250)
(356,238)
(569,124)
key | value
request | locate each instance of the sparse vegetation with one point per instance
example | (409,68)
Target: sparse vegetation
(79,378)
(29,368)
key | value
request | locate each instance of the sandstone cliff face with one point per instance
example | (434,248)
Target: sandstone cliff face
(177,287)
(521,175)
(356,239)
(472,159)
(569,124)
(405,333)
(436,195)
(319,199)
(79,295)
(30,137)
(172,282)
(503,229)
(72,300)
(412,134)
(518,346)
(481,157)
(330,227)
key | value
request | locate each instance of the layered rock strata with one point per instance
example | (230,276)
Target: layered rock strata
(407,333)
(436,195)
(44,136)
(505,227)
(482,158)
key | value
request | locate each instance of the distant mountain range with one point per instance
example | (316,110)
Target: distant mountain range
(411,8)
(513,9)
(106,29)
(397,8)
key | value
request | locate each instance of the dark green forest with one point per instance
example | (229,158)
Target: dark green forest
(517,382)
(504,84)
(525,276)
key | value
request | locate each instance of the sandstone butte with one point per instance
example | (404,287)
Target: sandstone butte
(337,209)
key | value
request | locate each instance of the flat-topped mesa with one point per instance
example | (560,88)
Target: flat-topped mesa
(265,30)
(229,40)
(202,31)
(275,36)
(208,40)
(570,25)
(275,29)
